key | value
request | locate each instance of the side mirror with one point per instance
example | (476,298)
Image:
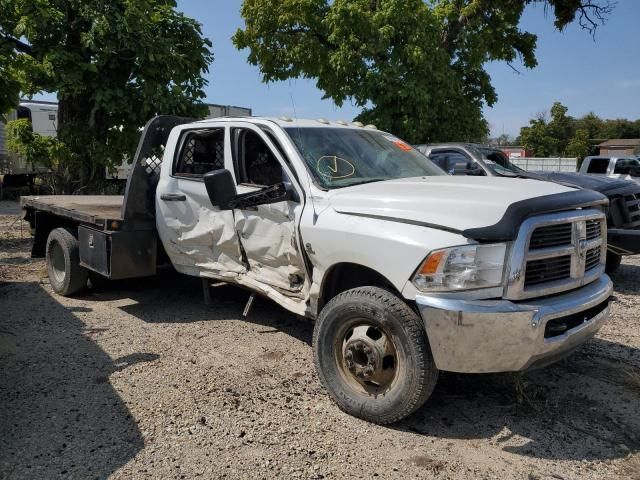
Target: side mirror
(223,194)
(635,171)
(475,170)
(456,168)
(469,168)
(221,188)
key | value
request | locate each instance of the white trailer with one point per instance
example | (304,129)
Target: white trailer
(15,171)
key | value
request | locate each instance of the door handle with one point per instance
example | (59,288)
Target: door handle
(173,197)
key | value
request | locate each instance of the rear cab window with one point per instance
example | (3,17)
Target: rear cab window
(201,151)
(598,165)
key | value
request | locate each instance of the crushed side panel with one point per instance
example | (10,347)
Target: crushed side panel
(268,237)
(207,241)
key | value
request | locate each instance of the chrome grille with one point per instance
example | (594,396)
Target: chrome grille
(550,236)
(632,204)
(557,252)
(593,229)
(593,258)
(548,270)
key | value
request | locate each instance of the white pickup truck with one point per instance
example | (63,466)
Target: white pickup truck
(405,270)
(622,168)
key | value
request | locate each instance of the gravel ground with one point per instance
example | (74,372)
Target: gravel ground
(139,379)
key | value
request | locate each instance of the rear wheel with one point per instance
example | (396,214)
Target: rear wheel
(66,276)
(613,262)
(372,355)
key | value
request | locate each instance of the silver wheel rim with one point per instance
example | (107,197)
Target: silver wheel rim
(367,358)
(56,258)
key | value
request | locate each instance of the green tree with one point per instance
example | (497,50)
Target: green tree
(591,123)
(113,65)
(565,135)
(561,127)
(415,67)
(579,146)
(537,139)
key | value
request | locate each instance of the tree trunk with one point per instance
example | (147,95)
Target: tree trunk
(76,128)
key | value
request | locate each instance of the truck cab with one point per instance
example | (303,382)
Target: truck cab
(621,168)
(405,271)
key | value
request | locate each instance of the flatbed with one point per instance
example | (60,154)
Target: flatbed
(96,210)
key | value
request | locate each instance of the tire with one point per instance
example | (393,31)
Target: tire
(613,262)
(66,276)
(404,373)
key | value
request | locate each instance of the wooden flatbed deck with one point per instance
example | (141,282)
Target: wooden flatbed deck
(95,209)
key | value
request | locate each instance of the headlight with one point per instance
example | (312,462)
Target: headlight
(462,268)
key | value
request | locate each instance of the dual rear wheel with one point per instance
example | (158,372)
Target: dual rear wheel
(66,275)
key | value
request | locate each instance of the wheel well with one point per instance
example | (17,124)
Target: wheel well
(345,276)
(43,223)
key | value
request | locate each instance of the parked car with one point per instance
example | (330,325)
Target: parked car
(623,168)
(405,270)
(623,218)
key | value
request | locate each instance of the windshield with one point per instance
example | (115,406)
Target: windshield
(341,157)
(498,162)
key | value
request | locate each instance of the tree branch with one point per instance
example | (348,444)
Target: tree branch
(592,15)
(514,68)
(17,44)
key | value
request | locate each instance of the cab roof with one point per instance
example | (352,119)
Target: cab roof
(287,122)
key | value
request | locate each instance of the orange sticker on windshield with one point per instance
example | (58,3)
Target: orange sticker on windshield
(402,146)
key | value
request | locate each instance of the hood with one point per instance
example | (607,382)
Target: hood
(602,184)
(444,202)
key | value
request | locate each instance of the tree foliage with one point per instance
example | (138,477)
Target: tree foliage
(579,146)
(537,139)
(45,151)
(564,135)
(113,65)
(414,67)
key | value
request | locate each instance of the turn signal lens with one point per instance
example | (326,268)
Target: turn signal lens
(430,265)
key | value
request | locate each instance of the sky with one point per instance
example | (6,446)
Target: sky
(601,75)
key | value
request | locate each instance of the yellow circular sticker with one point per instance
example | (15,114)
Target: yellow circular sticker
(334,167)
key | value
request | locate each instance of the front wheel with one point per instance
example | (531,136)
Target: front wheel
(372,355)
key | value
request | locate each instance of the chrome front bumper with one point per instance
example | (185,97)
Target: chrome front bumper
(482,336)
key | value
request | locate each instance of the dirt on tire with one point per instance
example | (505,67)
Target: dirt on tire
(140,379)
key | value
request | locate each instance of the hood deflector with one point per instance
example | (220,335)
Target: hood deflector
(508,226)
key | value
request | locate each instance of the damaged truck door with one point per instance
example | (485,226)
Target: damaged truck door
(252,239)
(267,231)
(199,238)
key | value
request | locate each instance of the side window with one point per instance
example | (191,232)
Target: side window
(255,162)
(438,159)
(624,165)
(201,152)
(598,165)
(448,160)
